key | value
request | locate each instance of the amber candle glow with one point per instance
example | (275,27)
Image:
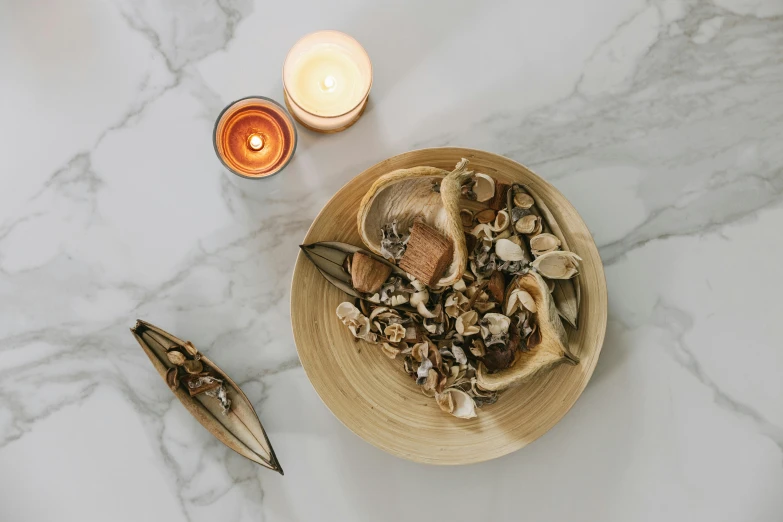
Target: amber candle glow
(254,137)
(327,77)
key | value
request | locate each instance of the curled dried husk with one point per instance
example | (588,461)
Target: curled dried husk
(457,403)
(544,243)
(551,347)
(394,332)
(482,231)
(501,222)
(484,187)
(486,216)
(176,357)
(405,195)
(390,351)
(466,323)
(456,304)
(559,264)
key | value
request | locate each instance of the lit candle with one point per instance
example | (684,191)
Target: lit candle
(254,137)
(327,78)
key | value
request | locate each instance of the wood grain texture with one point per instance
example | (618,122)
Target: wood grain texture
(371,394)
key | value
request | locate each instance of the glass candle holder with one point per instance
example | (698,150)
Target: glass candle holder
(327,77)
(254,137)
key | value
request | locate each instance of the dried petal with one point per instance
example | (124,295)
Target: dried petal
(458,403)
(394,332)
(519,299)
(459,354)
(422,374)
(508,250)
(456,304)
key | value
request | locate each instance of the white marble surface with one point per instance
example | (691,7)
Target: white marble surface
(660,120)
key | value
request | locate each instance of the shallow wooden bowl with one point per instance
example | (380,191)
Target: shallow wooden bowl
(372,395)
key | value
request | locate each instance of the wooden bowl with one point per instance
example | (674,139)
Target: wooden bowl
(372,395)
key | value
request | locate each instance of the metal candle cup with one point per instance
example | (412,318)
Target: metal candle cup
(327,77)
(254,137)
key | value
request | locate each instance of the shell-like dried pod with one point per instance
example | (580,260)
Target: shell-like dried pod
(485,216)
(523,200)
(405,195)
(171,378)
(176,357)
(466,216)
(484,187)
(551,349)
(496,323)
(466,323)
(456,304)
(419,297)
(543,243)
(190,348)
(558,264)
(507,250)
(519,299)
(193,366)
(501,222)
(527,224)
(456,402)
(482,230)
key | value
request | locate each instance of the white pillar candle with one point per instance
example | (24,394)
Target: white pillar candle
(327,77)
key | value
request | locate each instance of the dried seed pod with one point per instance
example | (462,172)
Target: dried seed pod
(176,357)
(507,250)
(558,264)
(523,200)
(497,286)
(394,332)
(544,243)
(485,216)
(367,273)
(466,323)
(484,187)
(501,222)
(527,224)
(193,366)
(190,348)
(467,217)
(172,379)
(518,299)
(457,403)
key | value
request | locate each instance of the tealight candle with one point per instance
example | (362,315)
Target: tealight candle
(327,77)
(254,137)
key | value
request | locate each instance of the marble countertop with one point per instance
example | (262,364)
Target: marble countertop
(660,120)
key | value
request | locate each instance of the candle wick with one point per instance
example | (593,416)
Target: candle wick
(255,142)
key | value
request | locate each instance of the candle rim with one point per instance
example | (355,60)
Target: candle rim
(293,98)
(282,110)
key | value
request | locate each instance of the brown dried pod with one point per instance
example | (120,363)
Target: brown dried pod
(172,379)
(558,264)
(498,201)
(486,216)
(176,357)
(527,224)
(193,366)
(367,273)
(543,243)
(497,286)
